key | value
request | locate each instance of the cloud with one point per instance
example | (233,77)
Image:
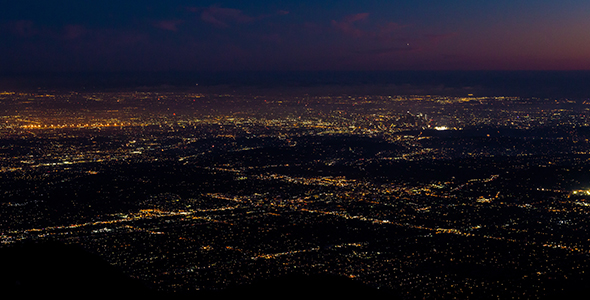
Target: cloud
(278,13)
(382,38)
(223,17)
(437,38)
(170,25)
(389,29)
(347,25)
(72,31)
(273,37)
(23,28)
(28,29)
(387,50)
(356,17)
(381,32)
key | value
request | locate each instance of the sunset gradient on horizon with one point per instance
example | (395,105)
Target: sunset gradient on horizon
(65,36)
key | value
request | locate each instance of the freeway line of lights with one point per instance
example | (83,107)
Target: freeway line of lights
(156,213)
(443,230)
(96,125)
(266,255)
(142,214)
(435,230)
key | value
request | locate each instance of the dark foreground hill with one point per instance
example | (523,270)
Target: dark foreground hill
(54,269)
(68,271)
(42,269)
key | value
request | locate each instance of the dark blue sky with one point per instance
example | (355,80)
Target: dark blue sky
(294,35)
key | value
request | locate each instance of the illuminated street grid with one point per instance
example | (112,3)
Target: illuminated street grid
(430,196)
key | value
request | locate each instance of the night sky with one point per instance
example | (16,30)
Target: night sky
(283,35)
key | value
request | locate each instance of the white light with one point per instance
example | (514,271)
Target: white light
(441,128)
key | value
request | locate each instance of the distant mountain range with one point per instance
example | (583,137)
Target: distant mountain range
(551,84)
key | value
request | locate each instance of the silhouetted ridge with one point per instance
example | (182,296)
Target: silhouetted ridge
(55,269)
(51,268)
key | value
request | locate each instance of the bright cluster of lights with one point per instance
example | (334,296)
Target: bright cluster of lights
(37,126)
(581,192)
